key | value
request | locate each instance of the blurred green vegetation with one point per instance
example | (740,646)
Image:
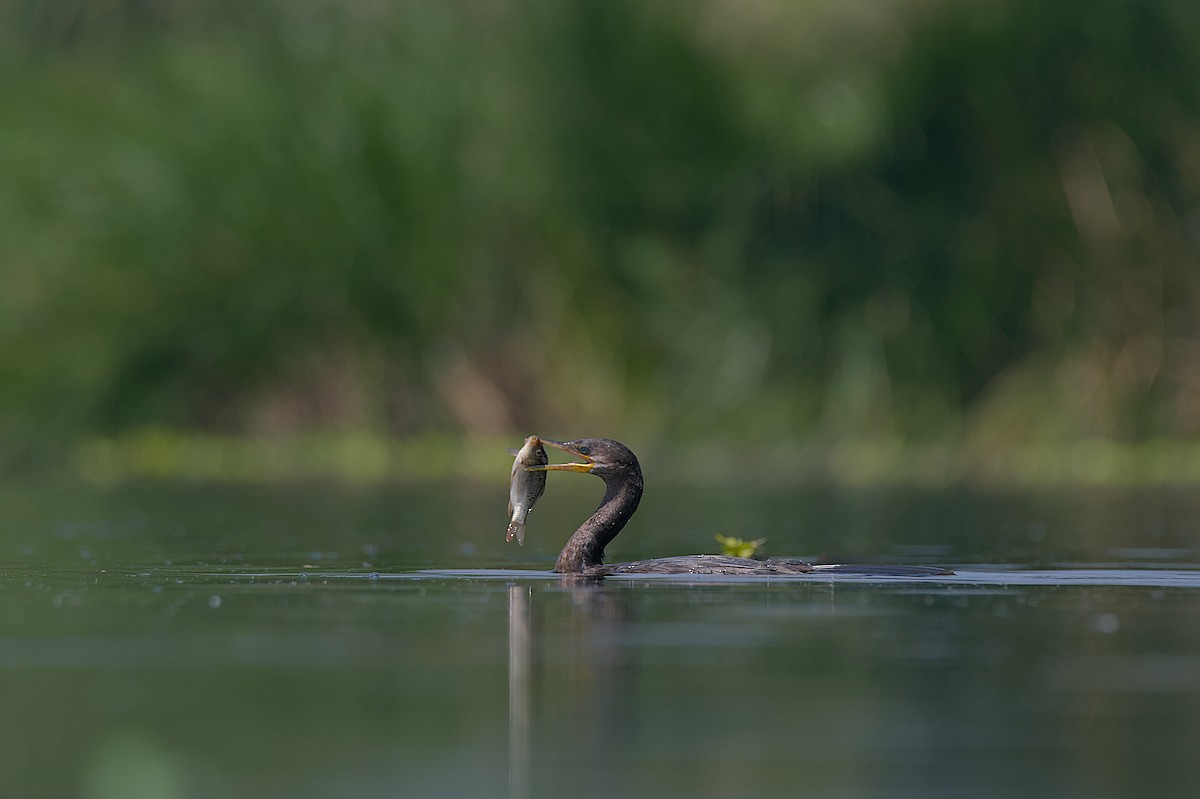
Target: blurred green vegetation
(961,225)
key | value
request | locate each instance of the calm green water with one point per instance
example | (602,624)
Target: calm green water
(200,641)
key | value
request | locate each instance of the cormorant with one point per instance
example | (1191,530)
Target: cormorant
(618,467)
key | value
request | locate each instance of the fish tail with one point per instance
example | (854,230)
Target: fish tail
(516,528)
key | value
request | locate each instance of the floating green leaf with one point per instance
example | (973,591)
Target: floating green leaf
(739,547)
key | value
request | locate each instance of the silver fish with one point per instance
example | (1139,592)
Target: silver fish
(526,486)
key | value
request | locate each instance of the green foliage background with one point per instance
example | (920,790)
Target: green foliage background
(768,222)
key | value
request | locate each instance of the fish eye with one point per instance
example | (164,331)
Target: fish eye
(585,451)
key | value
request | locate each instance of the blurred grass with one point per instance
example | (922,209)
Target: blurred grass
(317,236)
(156,454)
(165,454)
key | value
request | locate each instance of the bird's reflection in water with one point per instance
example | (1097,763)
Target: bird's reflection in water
(569,681)
(519,682)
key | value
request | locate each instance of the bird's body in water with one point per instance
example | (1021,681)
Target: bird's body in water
(526,486)
(618,467)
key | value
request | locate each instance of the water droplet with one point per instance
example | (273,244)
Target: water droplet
(214,601)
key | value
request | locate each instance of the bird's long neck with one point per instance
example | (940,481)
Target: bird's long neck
(585,549)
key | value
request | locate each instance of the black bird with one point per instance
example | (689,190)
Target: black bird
(618,467)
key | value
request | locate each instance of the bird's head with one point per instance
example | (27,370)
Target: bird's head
(602,457)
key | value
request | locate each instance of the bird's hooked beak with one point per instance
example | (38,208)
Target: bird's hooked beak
(586,466)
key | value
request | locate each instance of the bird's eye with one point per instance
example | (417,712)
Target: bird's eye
(585,451)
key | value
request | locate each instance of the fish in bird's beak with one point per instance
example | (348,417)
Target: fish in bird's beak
(585,466)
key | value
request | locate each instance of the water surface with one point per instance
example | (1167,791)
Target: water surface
(196,640)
